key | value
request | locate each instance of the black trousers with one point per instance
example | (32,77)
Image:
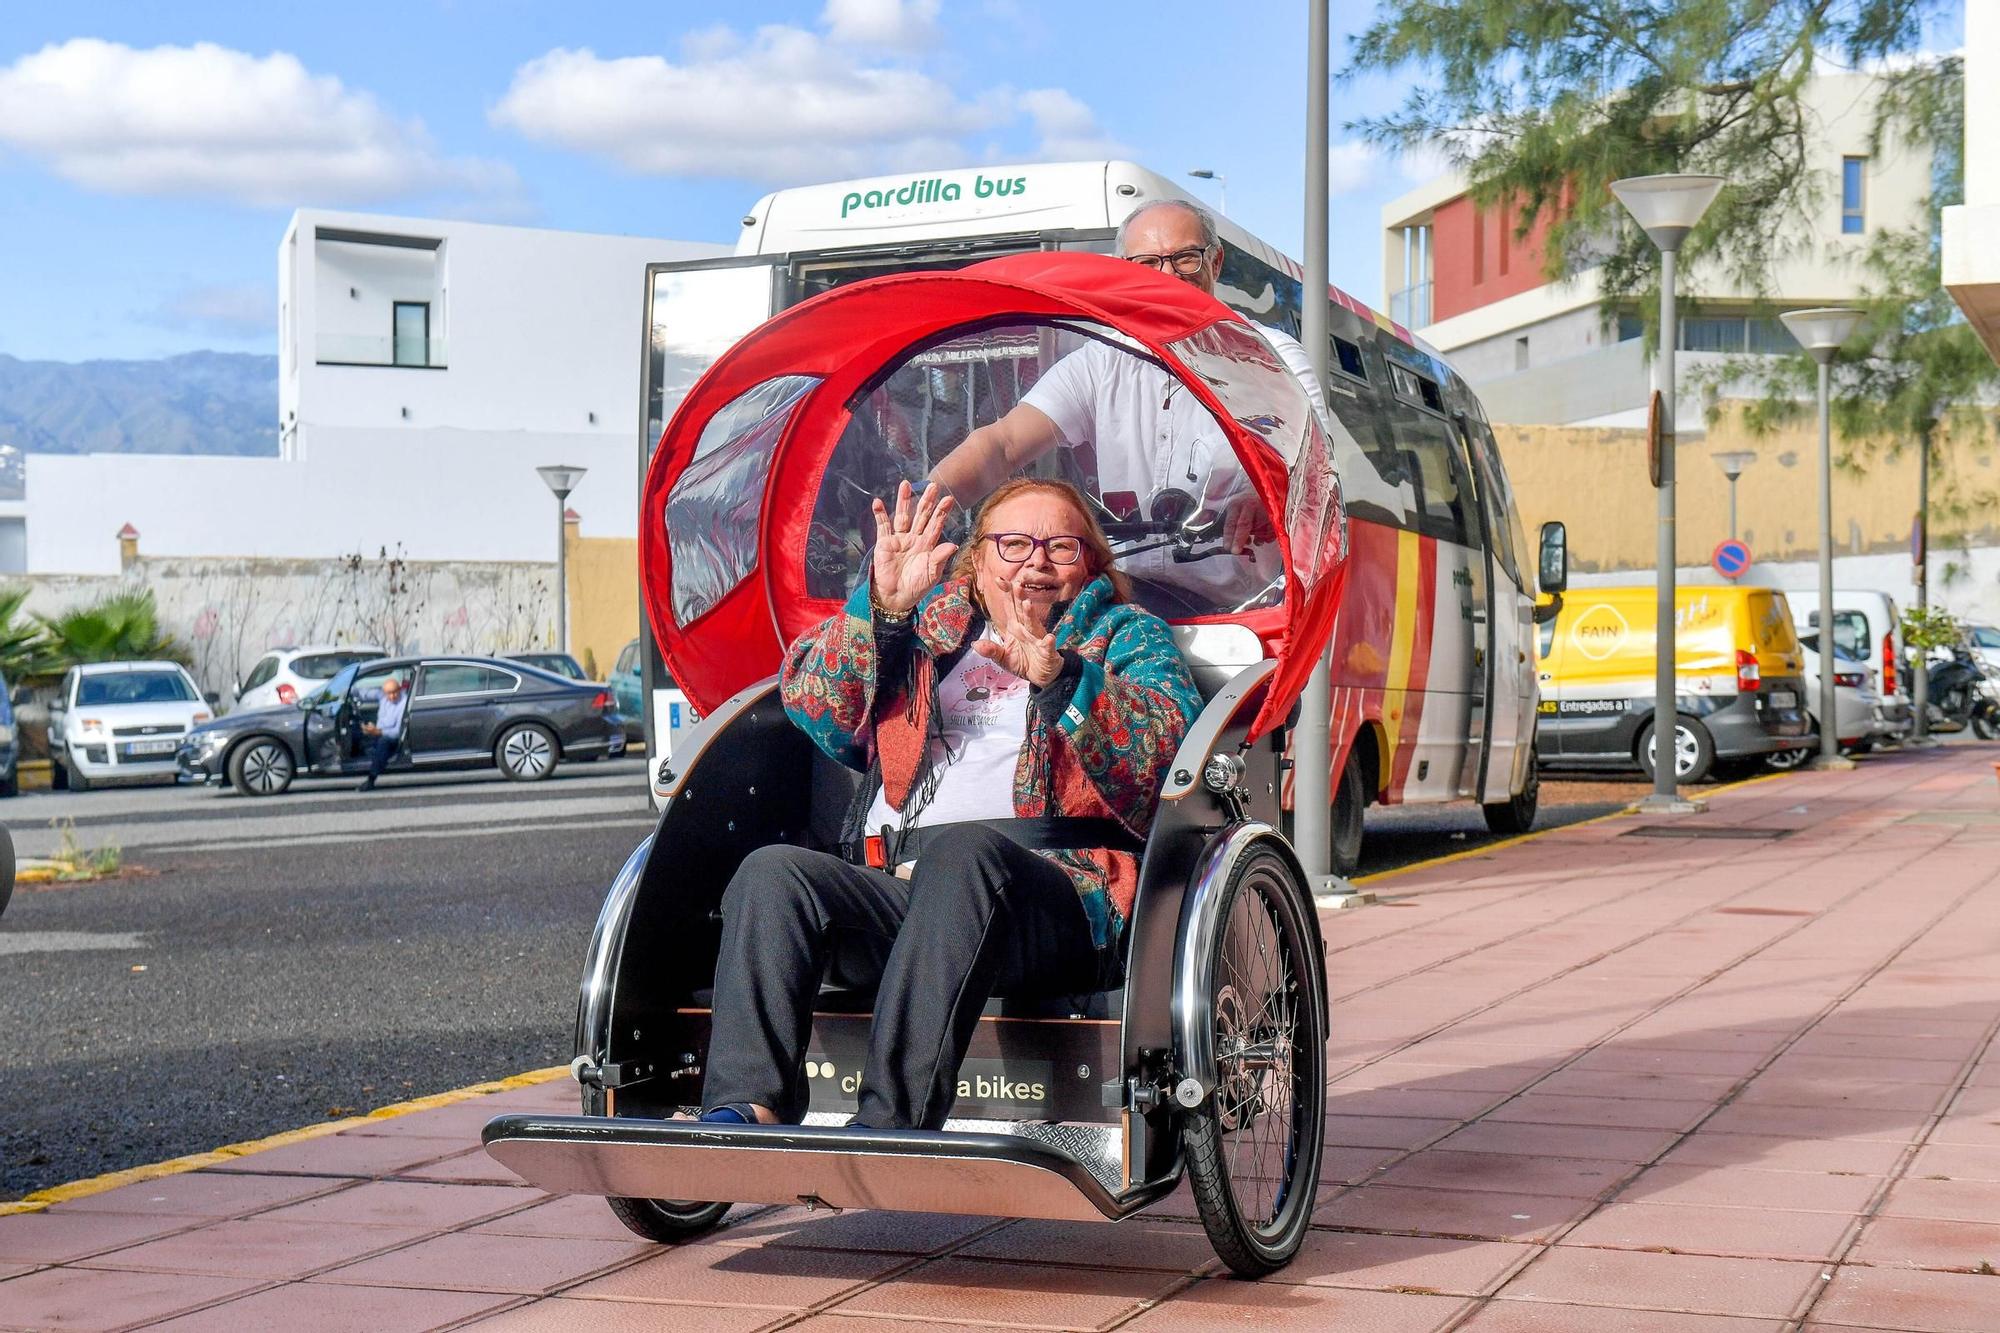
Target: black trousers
(381,749)
(980,916)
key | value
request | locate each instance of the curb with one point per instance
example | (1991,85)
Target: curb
(132,1175)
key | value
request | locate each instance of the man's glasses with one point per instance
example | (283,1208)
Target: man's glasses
(1016,548)
(1187,263)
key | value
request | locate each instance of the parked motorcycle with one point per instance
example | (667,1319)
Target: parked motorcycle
(1963,694)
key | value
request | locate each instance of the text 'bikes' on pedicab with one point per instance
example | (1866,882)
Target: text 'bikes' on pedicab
(1201,1053)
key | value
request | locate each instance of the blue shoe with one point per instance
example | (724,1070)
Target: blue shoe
(736,1113)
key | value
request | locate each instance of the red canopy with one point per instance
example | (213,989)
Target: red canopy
(845,338)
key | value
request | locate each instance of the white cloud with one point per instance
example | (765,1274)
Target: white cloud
(1351,165)
(247,310)
(1065,128)
(209,120)
(897,24)
(782,105)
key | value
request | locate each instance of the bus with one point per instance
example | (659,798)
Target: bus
(1432,675)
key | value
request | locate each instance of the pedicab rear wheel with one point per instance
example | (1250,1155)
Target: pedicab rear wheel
(1253,1146)
(667,1220)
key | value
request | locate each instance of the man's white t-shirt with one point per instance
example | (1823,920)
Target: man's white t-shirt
(983,714)
(1148,432)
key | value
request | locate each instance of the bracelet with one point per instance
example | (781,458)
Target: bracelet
(885,615)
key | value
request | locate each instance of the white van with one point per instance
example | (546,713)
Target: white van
(1867,625)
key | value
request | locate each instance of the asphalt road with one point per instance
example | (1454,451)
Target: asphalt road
(265,964)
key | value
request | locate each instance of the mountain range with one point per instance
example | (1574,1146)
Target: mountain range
(195,403)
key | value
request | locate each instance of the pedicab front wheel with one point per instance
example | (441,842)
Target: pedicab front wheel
(1253,1146)
(667,1220)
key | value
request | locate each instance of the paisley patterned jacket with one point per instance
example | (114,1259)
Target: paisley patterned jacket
(1101,736)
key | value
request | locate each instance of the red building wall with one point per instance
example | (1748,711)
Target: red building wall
(1476,258)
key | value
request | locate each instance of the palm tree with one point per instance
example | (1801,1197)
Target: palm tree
(24,652)
(122,627)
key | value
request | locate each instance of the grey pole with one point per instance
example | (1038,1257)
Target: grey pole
(1829,729)
(1312,744)
(1920,684)
(562,571)
(1732,508)
(1666,714)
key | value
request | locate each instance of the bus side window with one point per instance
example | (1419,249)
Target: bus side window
(1501,515)
(1443,508)
(1257,291)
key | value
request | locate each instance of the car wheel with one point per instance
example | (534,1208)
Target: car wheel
(76,779)
(262,767)
(11,784)
(6,868)
(1787,760)
(526,752)
(1694,750)
(1517,813)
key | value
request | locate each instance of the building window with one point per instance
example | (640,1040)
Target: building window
(1521,352)
(1478,247)
(1502,238)
(1853,195)
(411,334)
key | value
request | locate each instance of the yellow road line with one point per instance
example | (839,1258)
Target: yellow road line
(132,1175)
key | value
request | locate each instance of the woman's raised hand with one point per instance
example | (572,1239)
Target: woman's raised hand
(910,553)
(1024,645)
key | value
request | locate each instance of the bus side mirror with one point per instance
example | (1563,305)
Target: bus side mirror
(1553,574)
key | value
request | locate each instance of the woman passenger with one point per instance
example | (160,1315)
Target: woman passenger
(1023,687)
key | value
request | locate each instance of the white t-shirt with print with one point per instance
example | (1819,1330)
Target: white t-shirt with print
(983,714)
(1148,432)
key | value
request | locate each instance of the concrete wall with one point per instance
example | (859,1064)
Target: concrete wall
(227,611)
(1594,479)
(603,598)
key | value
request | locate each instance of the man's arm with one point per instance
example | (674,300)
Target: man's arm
(992,453)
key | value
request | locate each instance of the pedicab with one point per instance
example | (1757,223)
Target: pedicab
(1209,1061)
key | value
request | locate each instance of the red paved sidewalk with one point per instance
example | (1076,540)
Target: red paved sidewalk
(1592,1081)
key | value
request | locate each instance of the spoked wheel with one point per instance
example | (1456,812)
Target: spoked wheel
(1253,1147)
(667,1220)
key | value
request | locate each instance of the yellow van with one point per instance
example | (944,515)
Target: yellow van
(1738,668)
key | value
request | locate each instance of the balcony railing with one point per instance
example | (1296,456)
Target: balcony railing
(360,349)
(1411,307)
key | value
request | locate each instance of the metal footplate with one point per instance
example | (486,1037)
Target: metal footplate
(928,1171)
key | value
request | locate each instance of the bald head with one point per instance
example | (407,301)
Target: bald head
(1173,227)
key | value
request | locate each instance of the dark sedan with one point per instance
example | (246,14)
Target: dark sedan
(464,712)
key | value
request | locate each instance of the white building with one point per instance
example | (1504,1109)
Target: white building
(426,368)
(1972,229)
(1541,352)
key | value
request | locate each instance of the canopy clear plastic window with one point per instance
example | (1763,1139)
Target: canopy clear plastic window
(1155,464)
(711,513)
(1269,402)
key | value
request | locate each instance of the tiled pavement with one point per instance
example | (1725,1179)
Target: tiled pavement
(1592,1081)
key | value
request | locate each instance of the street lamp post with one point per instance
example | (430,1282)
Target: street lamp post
(562,479)
(1732,462)
(1821,331)
(1666,209)
(1222,184)
(1312,738)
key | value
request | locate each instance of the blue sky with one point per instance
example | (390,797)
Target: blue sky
(150,155)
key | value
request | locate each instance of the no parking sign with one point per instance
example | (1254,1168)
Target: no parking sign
(1731,558)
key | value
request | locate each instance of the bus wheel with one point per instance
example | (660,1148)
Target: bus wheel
(1517,813)
(1350,800)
